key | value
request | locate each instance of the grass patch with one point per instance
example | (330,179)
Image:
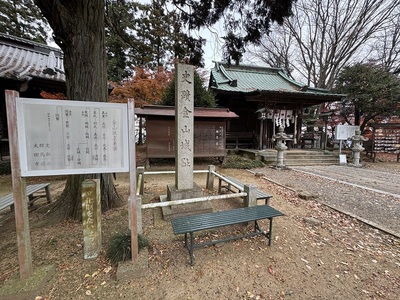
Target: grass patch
(119,248)
(240,162)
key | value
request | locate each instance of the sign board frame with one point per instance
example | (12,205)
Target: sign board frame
(344,132)
(19,181)
(47,109)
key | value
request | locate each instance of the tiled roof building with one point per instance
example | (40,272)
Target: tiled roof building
(22,61)
(264,98)
(29,68)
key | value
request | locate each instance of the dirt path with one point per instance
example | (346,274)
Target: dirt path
(369,194)
(387,181)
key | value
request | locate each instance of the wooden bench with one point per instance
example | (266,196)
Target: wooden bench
(190,224)
(31,191)
(239,186)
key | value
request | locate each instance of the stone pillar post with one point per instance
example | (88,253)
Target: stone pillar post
(185,187)
(91,218)
(210,178)
(184,126)
(251,198)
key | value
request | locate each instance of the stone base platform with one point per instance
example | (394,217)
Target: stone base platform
(174,211)
(174,194)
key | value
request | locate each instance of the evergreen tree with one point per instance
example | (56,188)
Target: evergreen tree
(151,36)
(116,58)
(23,19)
(202,96)
(372,92)
(122,25)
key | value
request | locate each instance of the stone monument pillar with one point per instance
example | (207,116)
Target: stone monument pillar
(280,147)
(184,187)
(184,126)
(358,140)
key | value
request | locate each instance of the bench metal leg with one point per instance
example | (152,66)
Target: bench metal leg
(270,232)
(30,200)
(257,227)
(48,195)
(267,234)
(189,245)
(191,249)
(186,240)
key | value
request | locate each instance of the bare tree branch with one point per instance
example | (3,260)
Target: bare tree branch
(328,35)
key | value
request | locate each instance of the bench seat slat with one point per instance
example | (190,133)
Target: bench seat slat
(223,218)
(8,200)
(30,189)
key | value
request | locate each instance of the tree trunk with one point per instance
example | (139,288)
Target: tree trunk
(79,31)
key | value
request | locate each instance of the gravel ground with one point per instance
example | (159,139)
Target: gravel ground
(370,194)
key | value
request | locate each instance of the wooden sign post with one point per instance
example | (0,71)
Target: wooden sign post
(19,190)
(132,181)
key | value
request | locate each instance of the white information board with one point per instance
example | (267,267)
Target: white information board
(72,137)
(343,132)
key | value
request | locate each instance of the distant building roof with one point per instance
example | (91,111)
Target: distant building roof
(253,80)
(23,60)
(199,112)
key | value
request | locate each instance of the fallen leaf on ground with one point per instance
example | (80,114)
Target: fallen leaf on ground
(270,270)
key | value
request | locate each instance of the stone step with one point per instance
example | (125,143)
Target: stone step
(295,157)
(303,157)
(304,162)
(295,154)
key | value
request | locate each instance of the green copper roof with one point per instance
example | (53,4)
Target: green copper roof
(251,79)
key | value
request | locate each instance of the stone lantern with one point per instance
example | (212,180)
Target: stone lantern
(357,148)
(280,147)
